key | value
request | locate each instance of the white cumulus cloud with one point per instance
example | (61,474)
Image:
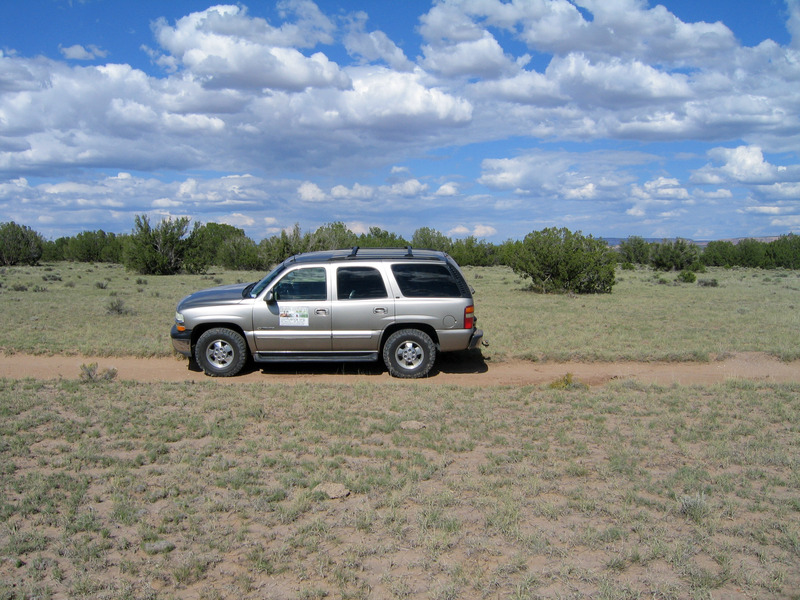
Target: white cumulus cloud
(311,192)
(78,52)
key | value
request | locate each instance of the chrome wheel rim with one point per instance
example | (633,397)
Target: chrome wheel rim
(219,354)
(409,355)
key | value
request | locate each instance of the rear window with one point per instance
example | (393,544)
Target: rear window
(426,281)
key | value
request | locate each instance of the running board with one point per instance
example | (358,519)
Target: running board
(270,357)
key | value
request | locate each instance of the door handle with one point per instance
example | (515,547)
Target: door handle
(322,312)
(379,311)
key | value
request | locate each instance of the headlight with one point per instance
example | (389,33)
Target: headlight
(178,317)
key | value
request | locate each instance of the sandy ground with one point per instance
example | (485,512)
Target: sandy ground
(456,369)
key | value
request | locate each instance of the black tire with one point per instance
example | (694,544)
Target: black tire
(221,352)
(409,354)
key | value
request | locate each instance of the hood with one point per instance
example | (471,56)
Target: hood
(226,294)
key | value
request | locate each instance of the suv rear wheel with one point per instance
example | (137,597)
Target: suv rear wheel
(409,353)
(221,352)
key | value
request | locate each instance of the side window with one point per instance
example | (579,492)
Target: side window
(359,283)
(426,281)
(302,284)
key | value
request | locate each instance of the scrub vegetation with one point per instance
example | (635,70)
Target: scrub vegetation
(558,260)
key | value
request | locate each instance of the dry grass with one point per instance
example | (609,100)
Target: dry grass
(649,316)
(122,490)
(102,310)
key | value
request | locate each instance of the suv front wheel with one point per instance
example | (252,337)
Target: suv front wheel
(409,353)
(221,352)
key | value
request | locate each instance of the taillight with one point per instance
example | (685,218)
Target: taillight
(469,317)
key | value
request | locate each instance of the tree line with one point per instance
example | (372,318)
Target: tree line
(681,255)
(554,260)
(171,246)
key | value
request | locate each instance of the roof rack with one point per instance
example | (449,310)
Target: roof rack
(357,253)
(354,251)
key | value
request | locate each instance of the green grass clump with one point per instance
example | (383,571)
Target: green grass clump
(567,382)
(91,374)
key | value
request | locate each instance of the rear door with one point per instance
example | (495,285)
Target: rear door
(362,308)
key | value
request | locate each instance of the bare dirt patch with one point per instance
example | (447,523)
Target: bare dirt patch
(457,369)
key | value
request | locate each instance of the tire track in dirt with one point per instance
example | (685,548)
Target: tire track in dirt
(451,370)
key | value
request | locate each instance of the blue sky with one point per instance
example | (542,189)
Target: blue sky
(474,117)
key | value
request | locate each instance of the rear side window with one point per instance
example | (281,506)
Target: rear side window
(426,281)
(359,283)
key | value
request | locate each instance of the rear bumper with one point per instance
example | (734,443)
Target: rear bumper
(475,340)
(181,340)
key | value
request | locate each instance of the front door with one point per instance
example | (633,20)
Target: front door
(295,315)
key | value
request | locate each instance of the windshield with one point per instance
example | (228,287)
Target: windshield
(251,291)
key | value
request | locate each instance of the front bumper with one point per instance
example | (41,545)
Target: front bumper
(181,341)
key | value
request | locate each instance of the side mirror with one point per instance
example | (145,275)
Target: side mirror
(270,297)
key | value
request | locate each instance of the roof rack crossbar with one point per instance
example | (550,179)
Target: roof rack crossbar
(353,252)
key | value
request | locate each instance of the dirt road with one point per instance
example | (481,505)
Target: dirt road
(451,370)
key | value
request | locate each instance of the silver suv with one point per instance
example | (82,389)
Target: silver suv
(362,304)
